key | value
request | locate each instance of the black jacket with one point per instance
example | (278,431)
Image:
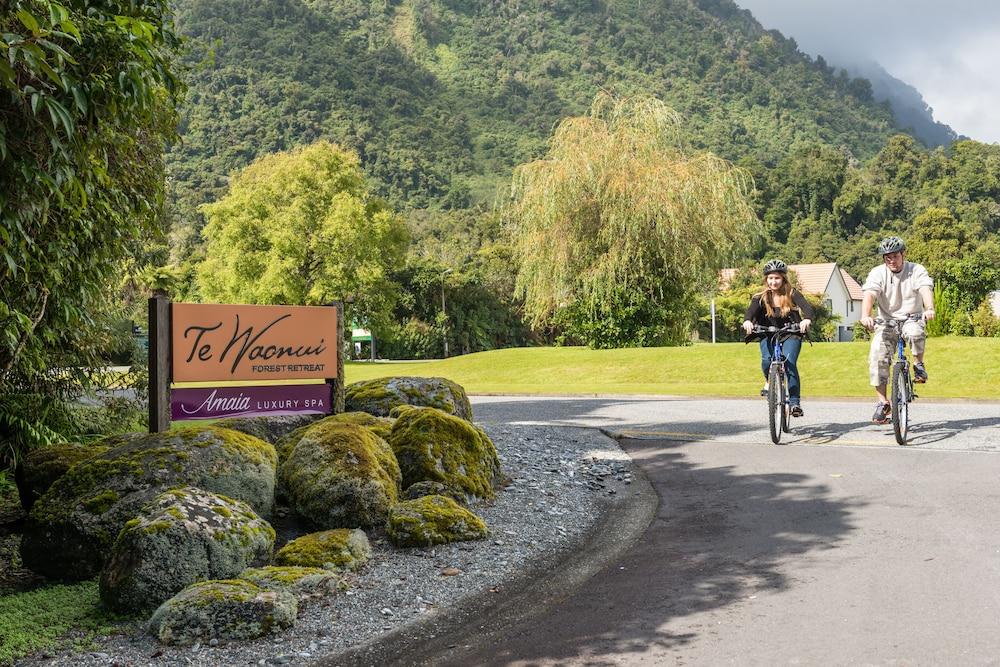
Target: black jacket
(757,313)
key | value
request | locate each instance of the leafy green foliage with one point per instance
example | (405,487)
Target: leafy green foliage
(301,228)
(615,229)
(36,620)
(87,98)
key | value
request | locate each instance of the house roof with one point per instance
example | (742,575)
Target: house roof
(813,278)
(852,286)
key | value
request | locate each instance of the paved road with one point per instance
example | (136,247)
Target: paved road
(839,549)
(952,425)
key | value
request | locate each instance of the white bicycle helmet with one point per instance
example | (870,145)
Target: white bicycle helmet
(891,244)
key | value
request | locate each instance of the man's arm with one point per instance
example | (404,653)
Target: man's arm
(927,296)
(866,310)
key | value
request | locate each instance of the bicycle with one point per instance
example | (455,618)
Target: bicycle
(778,408)
(901,393)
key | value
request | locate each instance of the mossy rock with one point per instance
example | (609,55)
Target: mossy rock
(302,582)
(341,476)
(269,429)
(433,520)
(225,609)
(339,549)
(72,527)
(380,426)
(381,395)
(40,468)
(425,488)
(433,446)
(184,536)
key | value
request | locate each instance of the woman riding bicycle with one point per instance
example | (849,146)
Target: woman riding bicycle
(777,305)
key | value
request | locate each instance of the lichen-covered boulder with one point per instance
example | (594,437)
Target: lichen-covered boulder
(40,468)
(225,609)
(302,582)
(268,429)
(340,476)
(184,536)
(433,446)
(339,549)
(433,520)
(71,528)
(426,488)
(380,426)
(381,395)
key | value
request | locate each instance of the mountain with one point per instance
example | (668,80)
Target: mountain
(908,105)
(442,98)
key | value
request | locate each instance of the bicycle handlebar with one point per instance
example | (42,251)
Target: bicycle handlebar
(896,321)
(790,329)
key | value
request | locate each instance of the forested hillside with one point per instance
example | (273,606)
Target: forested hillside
(442,98)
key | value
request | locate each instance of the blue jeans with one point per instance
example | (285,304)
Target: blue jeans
(790,349)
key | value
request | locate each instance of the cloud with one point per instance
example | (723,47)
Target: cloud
(948,51)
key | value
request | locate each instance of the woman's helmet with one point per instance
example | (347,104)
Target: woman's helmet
(891,244)
(775,266)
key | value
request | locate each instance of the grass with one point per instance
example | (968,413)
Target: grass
(959,368)
(36,620)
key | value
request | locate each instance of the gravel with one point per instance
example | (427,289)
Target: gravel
(560,480)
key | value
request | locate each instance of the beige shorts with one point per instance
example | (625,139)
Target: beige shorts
(883,349)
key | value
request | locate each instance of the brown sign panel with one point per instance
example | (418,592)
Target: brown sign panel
(212,342)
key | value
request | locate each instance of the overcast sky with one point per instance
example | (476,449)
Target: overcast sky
(949,51)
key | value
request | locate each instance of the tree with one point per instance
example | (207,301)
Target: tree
(87,105)
(301,227)
(618,226)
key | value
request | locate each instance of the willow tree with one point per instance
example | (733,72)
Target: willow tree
(620,224)
(301,227)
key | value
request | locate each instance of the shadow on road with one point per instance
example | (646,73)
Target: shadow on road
(935,431)
(718,539)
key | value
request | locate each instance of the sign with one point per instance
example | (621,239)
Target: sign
(216,342)
(276,400)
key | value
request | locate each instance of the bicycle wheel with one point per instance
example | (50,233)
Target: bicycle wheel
(774,404)
(900,402)
(786,408)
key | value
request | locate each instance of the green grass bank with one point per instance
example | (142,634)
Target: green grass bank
(959,367)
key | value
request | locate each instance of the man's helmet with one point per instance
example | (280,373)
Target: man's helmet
(775,266)
(891,244)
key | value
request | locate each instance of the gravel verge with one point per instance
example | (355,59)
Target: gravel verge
(561,480)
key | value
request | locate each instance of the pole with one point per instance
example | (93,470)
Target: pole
(159,364)
(337,383)
(713,320)
(444,315)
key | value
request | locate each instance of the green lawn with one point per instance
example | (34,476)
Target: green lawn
(959,368)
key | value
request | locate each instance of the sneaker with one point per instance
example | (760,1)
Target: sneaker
(763,392)
(797,410)
(919,373)
(881,415)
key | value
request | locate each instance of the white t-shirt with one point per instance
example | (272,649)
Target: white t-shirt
(898,294)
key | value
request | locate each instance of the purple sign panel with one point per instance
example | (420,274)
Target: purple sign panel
(218,402)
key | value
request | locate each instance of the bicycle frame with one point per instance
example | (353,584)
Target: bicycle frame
(901,393)
(778,405)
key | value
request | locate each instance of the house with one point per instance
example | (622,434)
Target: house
(995,302)
(841,292)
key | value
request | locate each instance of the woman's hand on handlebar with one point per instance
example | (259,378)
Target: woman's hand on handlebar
(748,327)
(804,326)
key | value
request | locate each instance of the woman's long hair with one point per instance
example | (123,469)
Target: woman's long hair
(779,300)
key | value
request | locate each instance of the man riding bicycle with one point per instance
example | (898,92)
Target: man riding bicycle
(900,289)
